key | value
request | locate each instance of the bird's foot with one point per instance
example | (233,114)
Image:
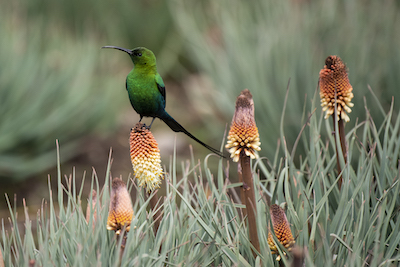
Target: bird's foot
(139,126)
(145,126)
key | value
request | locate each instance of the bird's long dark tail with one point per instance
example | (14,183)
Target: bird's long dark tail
(176,127)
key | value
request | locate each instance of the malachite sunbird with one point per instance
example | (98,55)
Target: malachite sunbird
(146,90)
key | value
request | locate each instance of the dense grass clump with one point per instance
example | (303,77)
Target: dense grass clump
(202,221)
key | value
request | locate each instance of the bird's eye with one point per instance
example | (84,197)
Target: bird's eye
(138,54)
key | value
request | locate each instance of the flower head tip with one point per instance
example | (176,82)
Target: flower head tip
(243,134)
(334,77)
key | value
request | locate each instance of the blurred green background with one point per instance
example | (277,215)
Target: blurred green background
(56,82)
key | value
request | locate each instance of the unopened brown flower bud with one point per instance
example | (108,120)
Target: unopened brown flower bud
(334,76)
(243,134)
(281,229)
(121,211)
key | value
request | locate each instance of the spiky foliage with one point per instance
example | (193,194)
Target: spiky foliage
(206,228)
(92,216)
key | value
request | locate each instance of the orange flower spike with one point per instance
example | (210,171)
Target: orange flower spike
(121,211)
(243,134)
(145,157)
(334,76)
(281,228)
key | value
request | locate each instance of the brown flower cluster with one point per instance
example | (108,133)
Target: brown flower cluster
(145,157)
(334,77)
(243,134)
(281,229)
(121,211)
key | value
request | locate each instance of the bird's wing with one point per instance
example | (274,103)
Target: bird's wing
(160,85)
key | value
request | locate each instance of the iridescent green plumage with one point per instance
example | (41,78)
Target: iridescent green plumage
(146,90)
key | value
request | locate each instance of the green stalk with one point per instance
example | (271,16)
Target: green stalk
(1,259)
(156,211)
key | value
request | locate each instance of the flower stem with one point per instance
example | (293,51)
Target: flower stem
(342,137)
(342,140)
(250,200)
(123,243)
(242,189)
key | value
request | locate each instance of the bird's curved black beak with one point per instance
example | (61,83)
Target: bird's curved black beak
(119,48)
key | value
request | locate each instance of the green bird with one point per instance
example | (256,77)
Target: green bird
(146,91)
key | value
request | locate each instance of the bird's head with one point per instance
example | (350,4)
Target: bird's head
(140,56)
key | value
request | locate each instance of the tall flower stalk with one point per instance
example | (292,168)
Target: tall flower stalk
(243,144)
(336,94)
(146,164)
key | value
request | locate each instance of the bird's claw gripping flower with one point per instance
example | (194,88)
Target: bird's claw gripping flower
(243,134)
(334,76)
(145,157)
(281,228)
(121,211)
